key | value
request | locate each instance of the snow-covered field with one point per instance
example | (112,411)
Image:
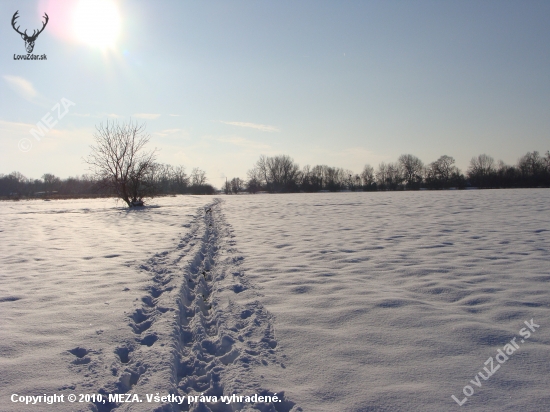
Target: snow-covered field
(333,302)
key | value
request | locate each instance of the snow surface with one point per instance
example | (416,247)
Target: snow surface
(336,301)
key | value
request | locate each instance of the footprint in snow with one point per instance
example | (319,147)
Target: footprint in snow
(123,354)
(149,340)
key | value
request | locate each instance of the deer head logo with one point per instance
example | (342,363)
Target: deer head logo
(29,40)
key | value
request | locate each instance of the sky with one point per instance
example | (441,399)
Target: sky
(219,83)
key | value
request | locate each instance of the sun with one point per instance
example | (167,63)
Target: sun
(96,22)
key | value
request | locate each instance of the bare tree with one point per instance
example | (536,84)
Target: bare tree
(533,170)
(306,181)
(506,175)
(278,173)
(443,167)
(51,182)
(198,177)
(368,175)
(283,173)
(254,182)
(261,170)
(15,184)
(333,178)
(119,160)
(389,176)
(531,164)
(482,170)
(162,177)
(443,174)
(348,179)
(226,187)
(181,180)
(382,175)
(412,168)
(236,185)
(356,182)
(394,175)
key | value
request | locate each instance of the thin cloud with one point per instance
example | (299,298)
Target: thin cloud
(169,131)
(149,116)
(242,142)
(21,86)
(262,127)
(7,126)
(97,116)
(180,133)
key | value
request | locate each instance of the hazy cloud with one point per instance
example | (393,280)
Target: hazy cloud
(150,116)
(172,133)
(262,127)
(7,126)
(242,142)
(98,116)
(21,86)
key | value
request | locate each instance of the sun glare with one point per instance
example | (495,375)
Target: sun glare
(97,22)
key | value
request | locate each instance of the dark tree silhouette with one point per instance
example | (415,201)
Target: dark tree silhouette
(119,160)
(533,170)
(482,171)
(442,174)
(278,173)
(412,168)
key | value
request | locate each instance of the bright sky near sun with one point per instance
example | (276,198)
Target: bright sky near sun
(218,83)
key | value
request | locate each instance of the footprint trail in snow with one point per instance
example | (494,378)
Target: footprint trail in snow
(199,330)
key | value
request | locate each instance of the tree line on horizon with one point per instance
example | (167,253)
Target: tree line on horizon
(280,174)
(162,179)
(121,166)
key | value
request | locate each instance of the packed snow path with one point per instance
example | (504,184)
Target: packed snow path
(190,336)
